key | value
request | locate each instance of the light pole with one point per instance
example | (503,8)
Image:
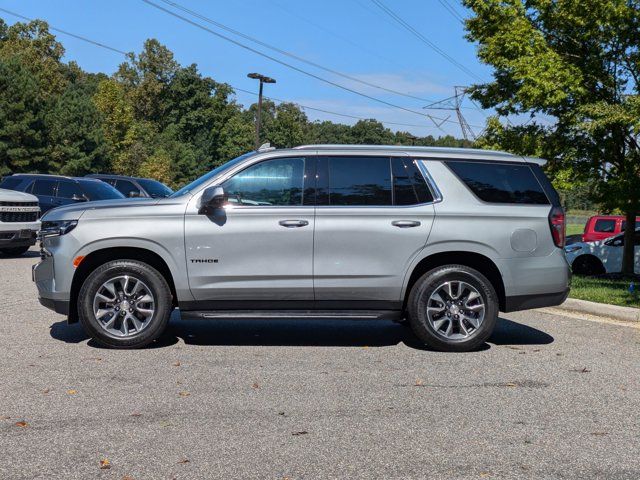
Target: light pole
(263,79)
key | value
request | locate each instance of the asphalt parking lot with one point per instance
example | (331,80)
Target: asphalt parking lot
(548,397)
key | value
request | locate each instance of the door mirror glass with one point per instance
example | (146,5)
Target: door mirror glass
(212,199)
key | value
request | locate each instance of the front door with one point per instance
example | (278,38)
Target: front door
(373,216)
(258,250)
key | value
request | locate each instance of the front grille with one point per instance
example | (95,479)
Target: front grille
(13,217)
(18,204)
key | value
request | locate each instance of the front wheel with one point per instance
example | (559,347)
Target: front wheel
(125,304)
(453,308)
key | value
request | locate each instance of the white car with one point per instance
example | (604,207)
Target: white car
(604,256)
(19,222)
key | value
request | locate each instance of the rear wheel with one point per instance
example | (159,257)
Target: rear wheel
(588,265)
(453,308)
(125,304)
(14,251)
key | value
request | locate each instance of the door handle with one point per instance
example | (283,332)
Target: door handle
(293,223)
(405,223)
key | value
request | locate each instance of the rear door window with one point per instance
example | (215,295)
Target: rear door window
(498,182)
(127,188)
(44,186)
(409,186)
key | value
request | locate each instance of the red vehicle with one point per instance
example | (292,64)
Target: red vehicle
(600,227)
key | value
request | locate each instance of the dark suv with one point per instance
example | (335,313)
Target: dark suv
(55,190)
(135,186)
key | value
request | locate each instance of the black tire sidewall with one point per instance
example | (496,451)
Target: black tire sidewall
(151,277)
(424,287)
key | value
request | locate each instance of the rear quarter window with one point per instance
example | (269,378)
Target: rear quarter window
(497,182)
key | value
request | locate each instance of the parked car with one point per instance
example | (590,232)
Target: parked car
(19,222)
(604,256)
(55,190)
(600,227)
(443,237)
(135,186)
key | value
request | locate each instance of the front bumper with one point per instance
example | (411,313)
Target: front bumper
(17,238)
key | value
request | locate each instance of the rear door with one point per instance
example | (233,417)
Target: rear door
(373,215)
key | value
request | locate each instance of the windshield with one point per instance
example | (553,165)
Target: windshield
(208,176)
(154,188)
(98,190)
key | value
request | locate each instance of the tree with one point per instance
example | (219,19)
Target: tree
(576,62)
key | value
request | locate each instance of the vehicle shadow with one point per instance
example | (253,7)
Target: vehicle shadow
(304,333)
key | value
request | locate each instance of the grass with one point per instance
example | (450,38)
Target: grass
(574,229)
(614,291)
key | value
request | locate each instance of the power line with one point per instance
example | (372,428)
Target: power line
(449,8)
(424,39)
(306,107)
(98,44)
(297,69)
(285,52)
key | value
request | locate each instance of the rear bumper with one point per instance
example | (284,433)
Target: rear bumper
(527,302)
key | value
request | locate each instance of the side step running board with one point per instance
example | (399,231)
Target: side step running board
(285,314)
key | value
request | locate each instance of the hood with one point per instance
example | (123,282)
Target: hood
(15,196)
(76,210)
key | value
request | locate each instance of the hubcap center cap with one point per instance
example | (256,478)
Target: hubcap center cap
(125,305)
(454,309)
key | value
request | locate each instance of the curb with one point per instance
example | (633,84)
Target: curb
(626,314)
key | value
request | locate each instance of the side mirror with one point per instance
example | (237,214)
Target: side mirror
(79,198)
(133,194)
(212,199)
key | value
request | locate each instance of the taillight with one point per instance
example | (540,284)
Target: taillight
(558,226)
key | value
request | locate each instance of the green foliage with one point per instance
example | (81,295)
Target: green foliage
(152,118)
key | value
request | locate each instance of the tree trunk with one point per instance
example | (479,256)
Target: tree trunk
(629,244)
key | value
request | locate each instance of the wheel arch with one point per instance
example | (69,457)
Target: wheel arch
(101,256)
(474,260)
(583,257)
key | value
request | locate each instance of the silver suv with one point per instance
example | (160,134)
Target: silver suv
(444,238)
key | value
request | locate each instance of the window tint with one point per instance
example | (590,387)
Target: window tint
(357,181)
(500,182)
(273,182)
(69,190)
(10,183)
(624,223)
(126,187)
(97,190)
(44,187)
(605,225)
(409,186)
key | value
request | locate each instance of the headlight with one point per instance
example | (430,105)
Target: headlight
(55,229)
(572,248)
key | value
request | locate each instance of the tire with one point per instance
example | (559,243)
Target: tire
(434,330)
(153,295)
(13,251)
(587,265)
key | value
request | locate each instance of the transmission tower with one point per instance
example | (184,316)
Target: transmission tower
(454,103)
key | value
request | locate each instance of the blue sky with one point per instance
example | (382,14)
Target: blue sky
(351,36)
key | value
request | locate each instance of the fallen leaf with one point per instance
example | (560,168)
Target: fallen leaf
(418,383)
(255,385)
(46,390)
(105,464)
(4,417)
(184,394)
(302,432)
(127,477)
(136,414)
(484,474)
(182,461)
(176,364)
(510,384)
(72,392)
(281,414)
(22,424)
